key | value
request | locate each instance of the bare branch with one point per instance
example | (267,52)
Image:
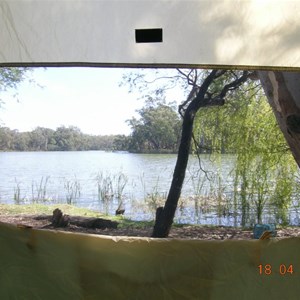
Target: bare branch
(234,84)
(159,78)
(198,157)
(191,81)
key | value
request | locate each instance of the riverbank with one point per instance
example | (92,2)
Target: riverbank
(25,215)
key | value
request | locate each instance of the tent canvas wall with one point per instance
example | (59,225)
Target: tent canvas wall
(194,32)
(40,264)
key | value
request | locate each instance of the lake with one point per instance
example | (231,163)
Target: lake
(93,179)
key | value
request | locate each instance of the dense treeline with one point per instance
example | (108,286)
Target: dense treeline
(61,139)
(156,131)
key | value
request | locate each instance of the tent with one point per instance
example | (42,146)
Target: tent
(150,33)
(39,264)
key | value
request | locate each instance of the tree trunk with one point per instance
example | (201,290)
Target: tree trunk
(283,92)
(165,215)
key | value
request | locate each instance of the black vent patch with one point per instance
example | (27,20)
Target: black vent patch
(153,35)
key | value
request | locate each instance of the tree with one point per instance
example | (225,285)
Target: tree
(214,87)
(22,141)
(156,130)
(62,139)
(283,93)
(205,88)
(11,77)
(263,167)
(121,142)
(68,138)
(40,138)
(6,139)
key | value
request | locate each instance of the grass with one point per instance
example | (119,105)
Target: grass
(39,209)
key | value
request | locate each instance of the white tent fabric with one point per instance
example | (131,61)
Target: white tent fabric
(195,32)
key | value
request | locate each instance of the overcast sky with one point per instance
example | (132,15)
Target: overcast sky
(89,98)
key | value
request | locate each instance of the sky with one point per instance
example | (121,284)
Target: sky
(88,98)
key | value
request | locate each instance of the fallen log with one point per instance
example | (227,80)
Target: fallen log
(93,222)
(58,219)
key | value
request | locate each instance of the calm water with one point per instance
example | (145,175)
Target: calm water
(25,174)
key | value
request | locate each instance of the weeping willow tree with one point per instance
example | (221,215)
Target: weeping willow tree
(264,170)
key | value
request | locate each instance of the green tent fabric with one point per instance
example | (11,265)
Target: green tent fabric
(42,264)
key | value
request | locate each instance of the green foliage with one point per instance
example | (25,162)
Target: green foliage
(61,139)
(11,77)
(158,129)
(120,142)
(264,171)
(38,209)
(68,139)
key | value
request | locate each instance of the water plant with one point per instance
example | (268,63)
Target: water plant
(121,181)
(105,189)
(39,190)
(104,186)
(143,184)
(17,193)
(155,198)
(259,192)
(72,190)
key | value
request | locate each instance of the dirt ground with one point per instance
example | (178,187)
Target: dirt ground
(185,232)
